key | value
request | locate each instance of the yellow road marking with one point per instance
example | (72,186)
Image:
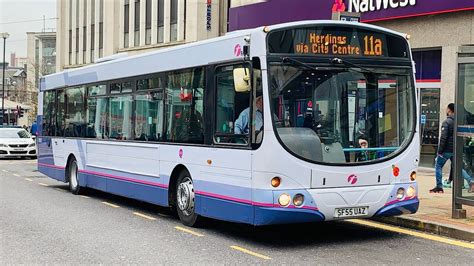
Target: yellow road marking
(163,215)
(414,233)
(58,189)
(16,175)
(110,204)
(251,252)
(188,231)
(44,185)
(144,216)
(86,197)
(5,171)
(29,179)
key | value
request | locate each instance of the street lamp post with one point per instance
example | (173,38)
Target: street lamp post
(3,35)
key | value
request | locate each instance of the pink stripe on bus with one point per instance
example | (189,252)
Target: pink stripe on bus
(259,204)
(124,178)
(223,197)
(396,201)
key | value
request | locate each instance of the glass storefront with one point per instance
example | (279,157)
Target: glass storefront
(428,76)
(429,124)
(464,154)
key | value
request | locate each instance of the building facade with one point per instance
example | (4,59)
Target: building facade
(91,29)
(40,61)
(438,29)
(15,94)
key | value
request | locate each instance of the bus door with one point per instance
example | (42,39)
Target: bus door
(228,173)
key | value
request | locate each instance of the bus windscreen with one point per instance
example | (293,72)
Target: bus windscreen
(337,41)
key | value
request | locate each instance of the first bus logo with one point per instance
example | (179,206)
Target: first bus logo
(352,179)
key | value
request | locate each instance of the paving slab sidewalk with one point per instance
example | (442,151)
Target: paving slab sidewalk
(434,214)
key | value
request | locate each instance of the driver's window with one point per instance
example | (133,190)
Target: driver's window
(233,105)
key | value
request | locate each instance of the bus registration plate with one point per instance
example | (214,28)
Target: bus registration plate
(351,212)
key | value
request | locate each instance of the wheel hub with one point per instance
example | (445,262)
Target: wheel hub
(185,196)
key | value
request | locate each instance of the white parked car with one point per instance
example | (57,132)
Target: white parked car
(16,142)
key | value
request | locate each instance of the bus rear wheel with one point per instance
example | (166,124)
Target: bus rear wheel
(185,200)
(73,177)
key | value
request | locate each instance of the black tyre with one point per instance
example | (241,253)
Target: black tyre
(73,177)
(185,200)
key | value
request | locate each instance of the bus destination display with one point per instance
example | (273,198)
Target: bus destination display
(337,41)
(329,44)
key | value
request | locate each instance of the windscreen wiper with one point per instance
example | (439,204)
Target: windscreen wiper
(289,59)
(340,61)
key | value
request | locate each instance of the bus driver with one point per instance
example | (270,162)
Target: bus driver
(242,123)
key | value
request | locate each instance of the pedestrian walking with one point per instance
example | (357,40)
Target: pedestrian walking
(445,148)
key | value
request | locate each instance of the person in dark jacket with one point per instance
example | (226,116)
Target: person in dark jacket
(445,147)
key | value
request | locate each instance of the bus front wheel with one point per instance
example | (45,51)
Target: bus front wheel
(185,200)
(73,177)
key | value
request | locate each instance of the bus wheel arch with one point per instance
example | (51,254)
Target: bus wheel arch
(182,197)
(72,174)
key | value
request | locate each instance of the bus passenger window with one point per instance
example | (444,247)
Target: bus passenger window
(185,106)
(120,126)
(148,116)
(48,113)
(233,100)
(97,118)
(75,113)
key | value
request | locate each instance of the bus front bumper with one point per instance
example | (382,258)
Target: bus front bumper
(329,204)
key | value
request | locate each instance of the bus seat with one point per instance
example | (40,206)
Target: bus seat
(302,141)
(333,153)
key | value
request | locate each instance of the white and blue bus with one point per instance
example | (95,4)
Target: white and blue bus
(297,122)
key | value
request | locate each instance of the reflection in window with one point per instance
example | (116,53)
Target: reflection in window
(97,118)
(48,113)
(340,116)
(154,83)
(74,115)
(184,100)
(96,90)
(120,117)
(61,113)
(148,116)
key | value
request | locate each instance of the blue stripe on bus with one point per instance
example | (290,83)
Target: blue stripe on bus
(265,215)
(53,172)
(403,207)
(223,209)
(152,194)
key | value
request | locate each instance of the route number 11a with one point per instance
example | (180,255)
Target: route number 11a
(373,46)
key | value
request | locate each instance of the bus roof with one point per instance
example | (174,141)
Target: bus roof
(177,57)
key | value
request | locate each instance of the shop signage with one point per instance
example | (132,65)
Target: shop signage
(361,6)
(279,11)
(209,15)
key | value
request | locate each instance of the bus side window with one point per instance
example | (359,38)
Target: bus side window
(232,108)
(184,100)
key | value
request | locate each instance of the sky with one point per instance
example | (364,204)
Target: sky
(17,17)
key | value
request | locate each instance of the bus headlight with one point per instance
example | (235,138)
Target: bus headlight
(284,200)
(400,193)
(298,200)
(413,176)
(411,192)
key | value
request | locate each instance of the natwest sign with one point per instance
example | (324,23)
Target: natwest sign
(280,11)
(362,6)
